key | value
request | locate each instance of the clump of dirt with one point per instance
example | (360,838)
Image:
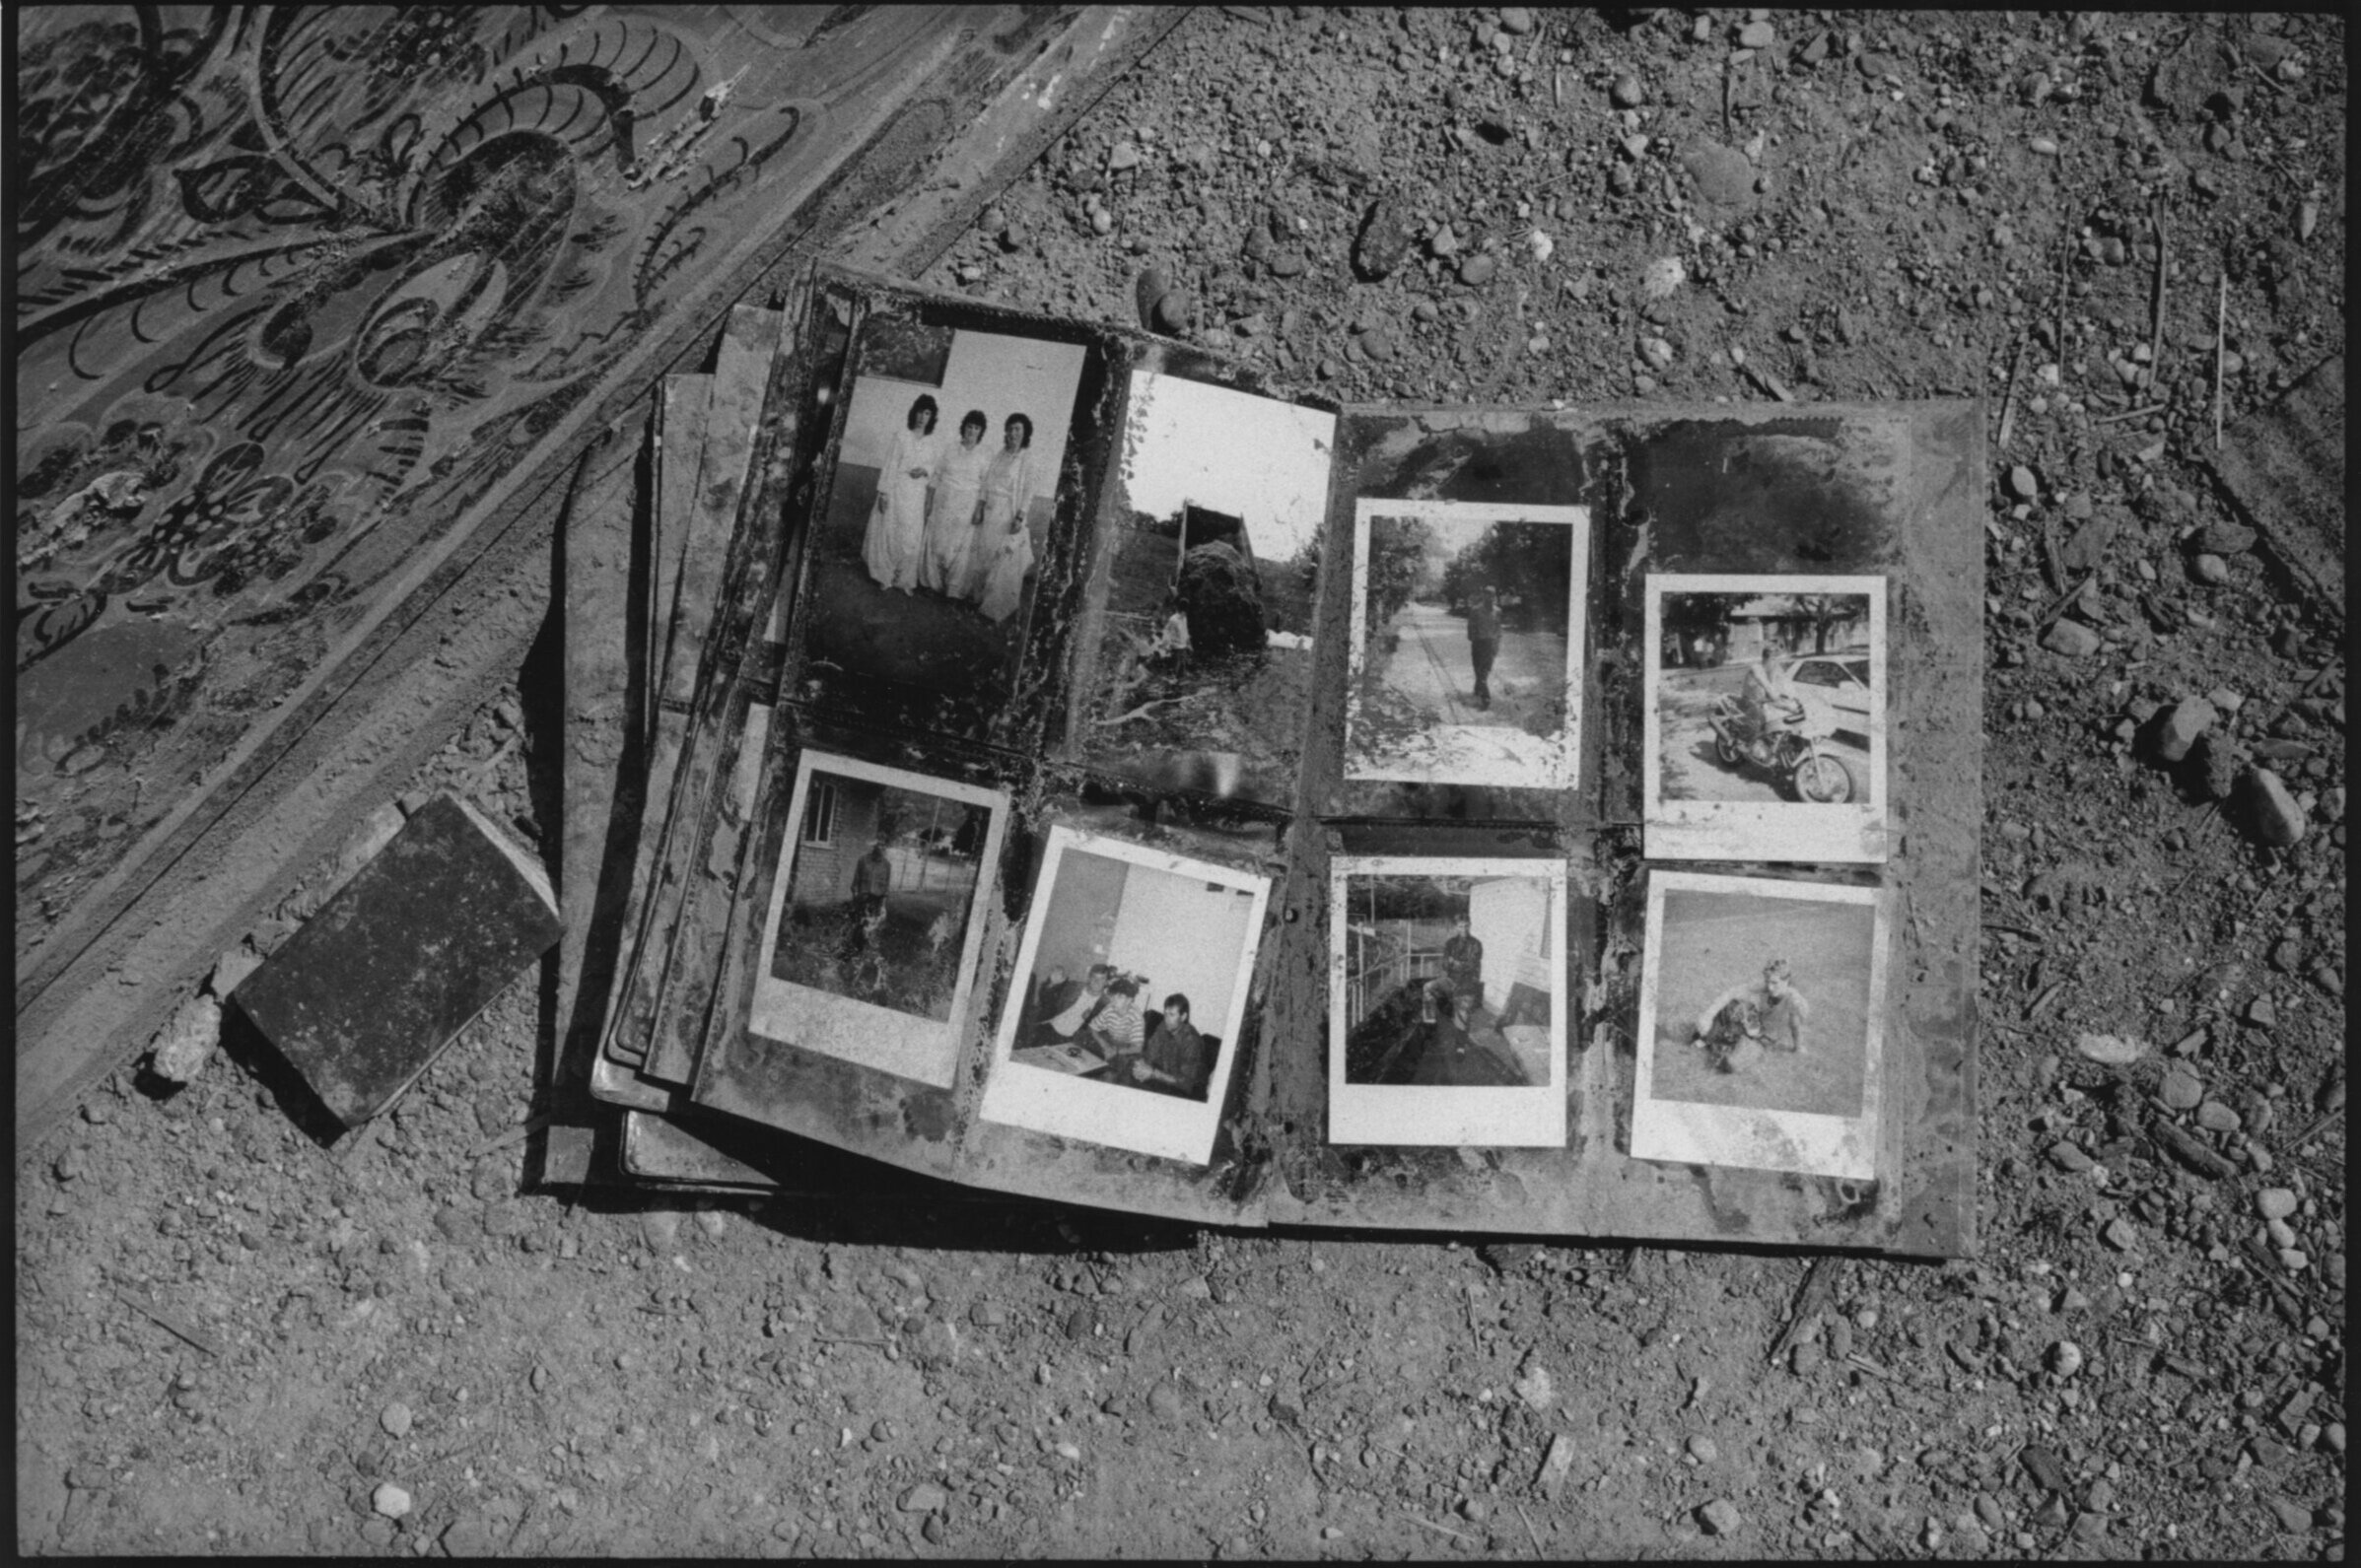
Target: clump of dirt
(230,1340)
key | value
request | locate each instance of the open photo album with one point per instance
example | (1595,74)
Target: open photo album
(1101,777)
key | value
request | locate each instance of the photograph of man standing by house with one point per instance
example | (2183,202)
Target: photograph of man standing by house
(1447,1001)
(1212,545)
(1466,641)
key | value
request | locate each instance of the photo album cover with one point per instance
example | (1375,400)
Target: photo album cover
(1182,795)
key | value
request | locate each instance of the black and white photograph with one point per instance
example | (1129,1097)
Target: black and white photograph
(1765,727)
(1205,659)
(1760,1025)
(1466,632)
(929,543)
(1121,1018)
(1448,1008)
(876,919)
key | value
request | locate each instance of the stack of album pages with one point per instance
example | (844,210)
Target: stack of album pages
(1048,761)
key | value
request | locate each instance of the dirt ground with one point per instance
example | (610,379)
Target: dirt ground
(229,1340)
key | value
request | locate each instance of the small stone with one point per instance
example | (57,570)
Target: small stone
(1876,67)
(2262,1014)
(395,1420)
(1384,241)
(1807,1358)
(1704,1450)
(2182,723)
(2022,483)
(1757,35)
(2180,1090)
(1535,1387)
(2215,1116)
(1628,92)
(2210,570)
(1165,1402)
(2072,638)
(389,1500)
(1174,312)
(1720,1517)
(2226,539)
(1478,270)
(987,1315)
(659,1229)
(2275,1202)
(2068,1156)
(2271,813)
(2215,760)
(2114,1050)
(2292,1517)
(924,1498)
(2121,1234)
(1288,264)
(188,1043)
(231,968)
(2065,1359)
(1516,20)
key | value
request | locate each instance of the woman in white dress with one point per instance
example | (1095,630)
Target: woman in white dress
(1003,544)
(898,524)
(951,517)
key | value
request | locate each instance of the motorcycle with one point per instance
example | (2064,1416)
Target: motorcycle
(1789,749)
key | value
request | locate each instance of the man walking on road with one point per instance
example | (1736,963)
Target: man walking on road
(1484,640)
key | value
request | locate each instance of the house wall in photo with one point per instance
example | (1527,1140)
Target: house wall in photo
(1184,935)
(999,375)
(1077,917)
(1511,919)
(823,870)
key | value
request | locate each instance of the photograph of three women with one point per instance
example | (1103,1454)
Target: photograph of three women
(944,488)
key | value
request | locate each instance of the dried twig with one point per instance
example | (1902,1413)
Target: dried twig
(2141,412)
(2307,1131)
(848,1339)
(2066,603)
(1531,1533)
(1819,1284)
(2164,258)
(168,1325)
(515,1135)
(2221,345)
(1441,1530)
(2008,395)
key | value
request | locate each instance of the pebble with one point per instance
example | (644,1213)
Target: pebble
(2291,1516)
(1174,310)
(1628,92)
(2067,1156)
(659,1229)
(187,1043)
(1721,1517)
(1808,1358)
(2180,1090)
(2271,812)
(1288,264)
(395,1420)
(1478,270)
(1757,35)
(1876,67)
(2215,1116)
(2022,483)
(2262,1014)
(2065,1359)
(2210,569)
(1384,241)
(389,1500)
(2072,638)
(1165,1402)
(2274,1202)
(1516,20)
(2120,1235)
(1722,175)
(925,1498)
(2114,1050)
(2184,722)
(2216,760)
(1536,1388)
(230,969)
(2227,538)
(1704,1450)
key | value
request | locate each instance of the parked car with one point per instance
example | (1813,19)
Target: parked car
(1840,680)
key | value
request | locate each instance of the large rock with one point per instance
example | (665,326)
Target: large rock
(2184,722)
(188,1040)
(1223,601)
(2271,813)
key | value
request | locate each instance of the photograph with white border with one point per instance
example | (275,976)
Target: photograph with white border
(1447,1001)
(1467,643)
(1121,1025)
(877,916)
(1764,723)
(1761,1022)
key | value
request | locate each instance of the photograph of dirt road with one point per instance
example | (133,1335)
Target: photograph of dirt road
(1466,632)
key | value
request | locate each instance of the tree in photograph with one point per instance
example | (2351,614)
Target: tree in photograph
(1827,612)
(1698,624)
(1397,556)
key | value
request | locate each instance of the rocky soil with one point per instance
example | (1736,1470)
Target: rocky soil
(229,1339)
